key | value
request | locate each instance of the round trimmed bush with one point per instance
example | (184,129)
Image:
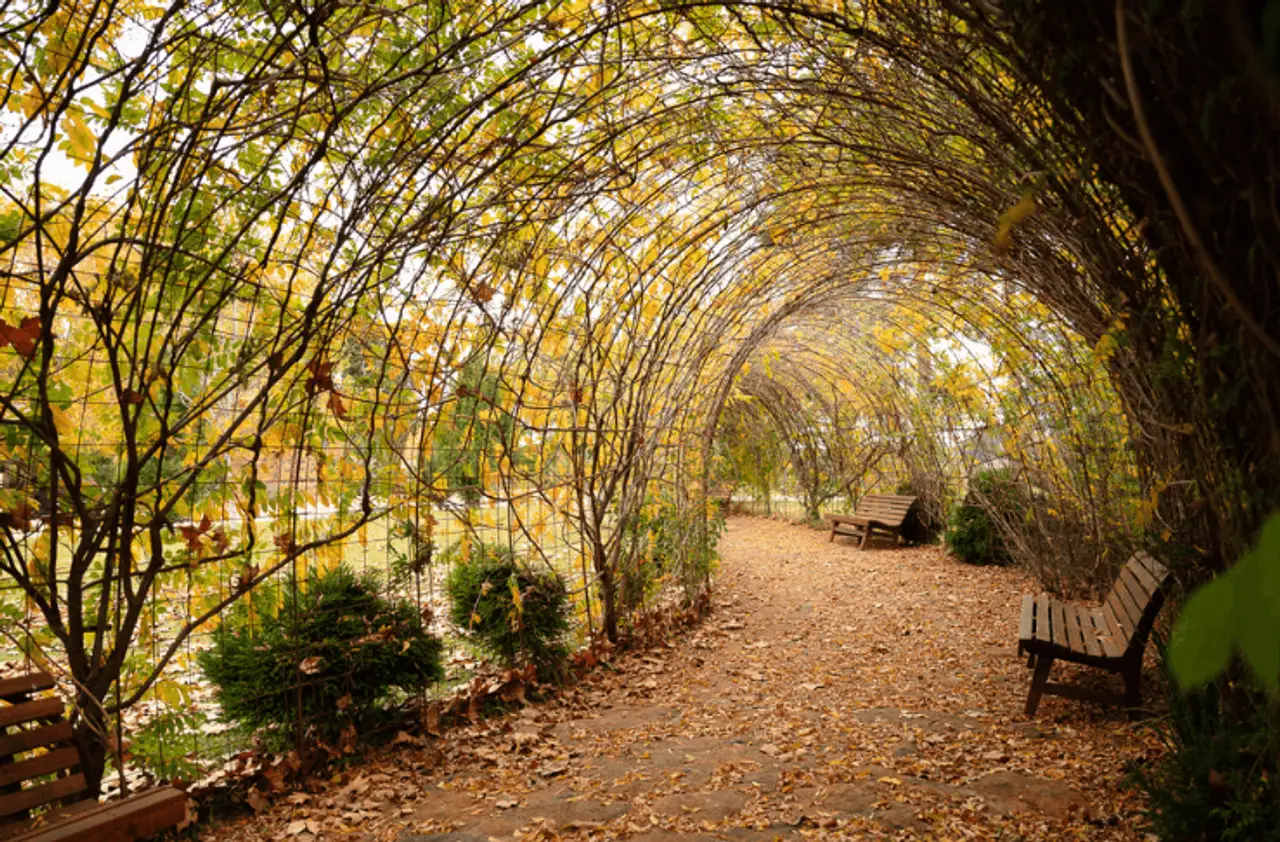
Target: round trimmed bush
(338,642)
(973,536)
(511,612)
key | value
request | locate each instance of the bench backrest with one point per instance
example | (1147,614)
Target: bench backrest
(1135,600)
(38,762)
(889,509)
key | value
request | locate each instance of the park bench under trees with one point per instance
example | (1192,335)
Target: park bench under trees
(881,514)
(1112,637)
(39,767)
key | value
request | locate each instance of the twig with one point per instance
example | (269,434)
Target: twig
(1175,199)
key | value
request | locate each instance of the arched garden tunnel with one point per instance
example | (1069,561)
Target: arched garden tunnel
(290,288)
(856,394)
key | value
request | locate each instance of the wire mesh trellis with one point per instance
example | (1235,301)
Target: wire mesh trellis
(200,738)
(266,510)
(220,377)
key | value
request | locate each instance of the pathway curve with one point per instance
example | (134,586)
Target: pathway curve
(832,694)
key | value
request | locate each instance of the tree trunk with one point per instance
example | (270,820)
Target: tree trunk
(608,591)
(93,753)
(811,506)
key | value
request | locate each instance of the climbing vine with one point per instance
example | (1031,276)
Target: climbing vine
(277,276)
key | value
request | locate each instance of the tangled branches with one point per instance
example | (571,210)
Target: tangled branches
(517,264)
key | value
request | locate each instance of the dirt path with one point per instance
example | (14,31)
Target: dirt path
(832,694)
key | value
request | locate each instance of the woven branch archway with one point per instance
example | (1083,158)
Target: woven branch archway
(280,282)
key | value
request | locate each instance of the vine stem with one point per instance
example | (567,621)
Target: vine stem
(1175,198)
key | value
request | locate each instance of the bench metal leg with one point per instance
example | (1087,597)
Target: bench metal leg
(1038,680)
(833,533)
(1133,687)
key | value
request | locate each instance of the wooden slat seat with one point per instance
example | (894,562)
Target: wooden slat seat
(40,770)
(1111,637)
(875,514)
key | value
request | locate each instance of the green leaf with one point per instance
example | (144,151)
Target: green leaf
(1258,605)
(1240,607)
(1200,645)
(10,226)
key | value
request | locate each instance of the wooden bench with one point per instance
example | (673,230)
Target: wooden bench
(1112,637)
(39,767)
(876,513)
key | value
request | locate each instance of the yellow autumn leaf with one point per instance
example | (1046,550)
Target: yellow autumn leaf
(61,421)
(1105,349)
(1004,228)
(80,138)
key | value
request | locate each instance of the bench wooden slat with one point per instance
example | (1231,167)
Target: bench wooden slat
(1123,610)
(22,828)
(1137,593)
(46,764)
(1088,637)
(1075,632)
(1027,617)
(1131,590)
(882,515)
(1126,622)
(23,800)
(1061,630)
(1116,636)
(39,737)
(1146,581)
(29,711)
(1150,590)
(24,684)
(1066,637)
(137,817)
(1104,636)
(1043,628)
(1131,607)
(1123,588)
(887,508)
(1157,570)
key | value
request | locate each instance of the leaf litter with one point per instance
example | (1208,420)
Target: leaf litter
(832,693)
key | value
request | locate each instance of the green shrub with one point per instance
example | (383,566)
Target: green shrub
(676,544)
(973,536)
(641,563)
(336,645)
(1220,778)
(512,612)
